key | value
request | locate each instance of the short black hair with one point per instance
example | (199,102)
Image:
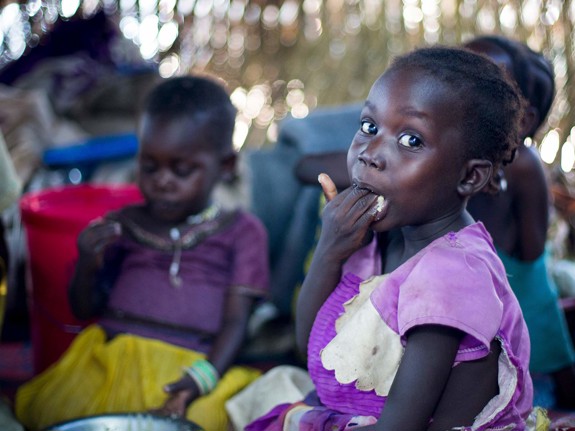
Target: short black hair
(197,98)
(490,103)
(532,72)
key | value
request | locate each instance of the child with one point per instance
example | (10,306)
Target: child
(406,314)
(518,219)
(171,281)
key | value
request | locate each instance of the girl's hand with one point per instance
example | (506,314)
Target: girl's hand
(180,395)
(93,241)
(328,186)
(346,218)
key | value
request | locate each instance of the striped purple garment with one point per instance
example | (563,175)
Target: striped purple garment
(344,398)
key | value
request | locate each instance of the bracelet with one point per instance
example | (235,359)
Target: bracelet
(204,374)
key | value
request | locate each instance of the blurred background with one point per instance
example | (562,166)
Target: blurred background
(73,74)
(280,58)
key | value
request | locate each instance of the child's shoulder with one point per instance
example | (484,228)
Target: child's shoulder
(467,253)
(455,251)
(245,220)
(474,239)
(527,164)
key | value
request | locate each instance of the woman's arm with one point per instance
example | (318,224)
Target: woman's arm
(530,203)
(334,164)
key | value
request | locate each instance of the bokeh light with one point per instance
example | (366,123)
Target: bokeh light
(288,57)
(550,146)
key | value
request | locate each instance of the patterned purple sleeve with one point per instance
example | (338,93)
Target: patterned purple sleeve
(452,287)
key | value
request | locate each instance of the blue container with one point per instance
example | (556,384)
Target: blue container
(80,160)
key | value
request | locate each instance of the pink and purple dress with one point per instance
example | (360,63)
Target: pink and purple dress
(358,337)
(143,302)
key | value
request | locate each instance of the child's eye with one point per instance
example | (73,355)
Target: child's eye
(410,141)
(368,128)
(148,166)
(183,170)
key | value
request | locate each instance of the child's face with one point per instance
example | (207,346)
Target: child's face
(409,149)
(177,167)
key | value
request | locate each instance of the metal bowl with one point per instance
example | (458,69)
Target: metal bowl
(125,422)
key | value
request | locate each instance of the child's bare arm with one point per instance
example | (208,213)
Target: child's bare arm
(420,380)
(233,333)
(92,243)
(345,228)
(224,352)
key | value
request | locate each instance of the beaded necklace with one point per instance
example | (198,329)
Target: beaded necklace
(195,228)
(210,213)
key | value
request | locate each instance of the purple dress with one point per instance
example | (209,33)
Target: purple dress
(457,281)
(143,302)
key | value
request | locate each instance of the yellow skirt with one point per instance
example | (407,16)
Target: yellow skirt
(125,374)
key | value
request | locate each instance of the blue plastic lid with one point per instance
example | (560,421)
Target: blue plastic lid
(93,150)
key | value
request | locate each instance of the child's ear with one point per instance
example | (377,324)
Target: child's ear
(475,175)
(228,164)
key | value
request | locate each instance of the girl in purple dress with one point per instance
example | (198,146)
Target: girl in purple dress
(406,315)
(170,281)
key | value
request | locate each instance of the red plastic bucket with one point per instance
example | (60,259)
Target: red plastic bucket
(53,218)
